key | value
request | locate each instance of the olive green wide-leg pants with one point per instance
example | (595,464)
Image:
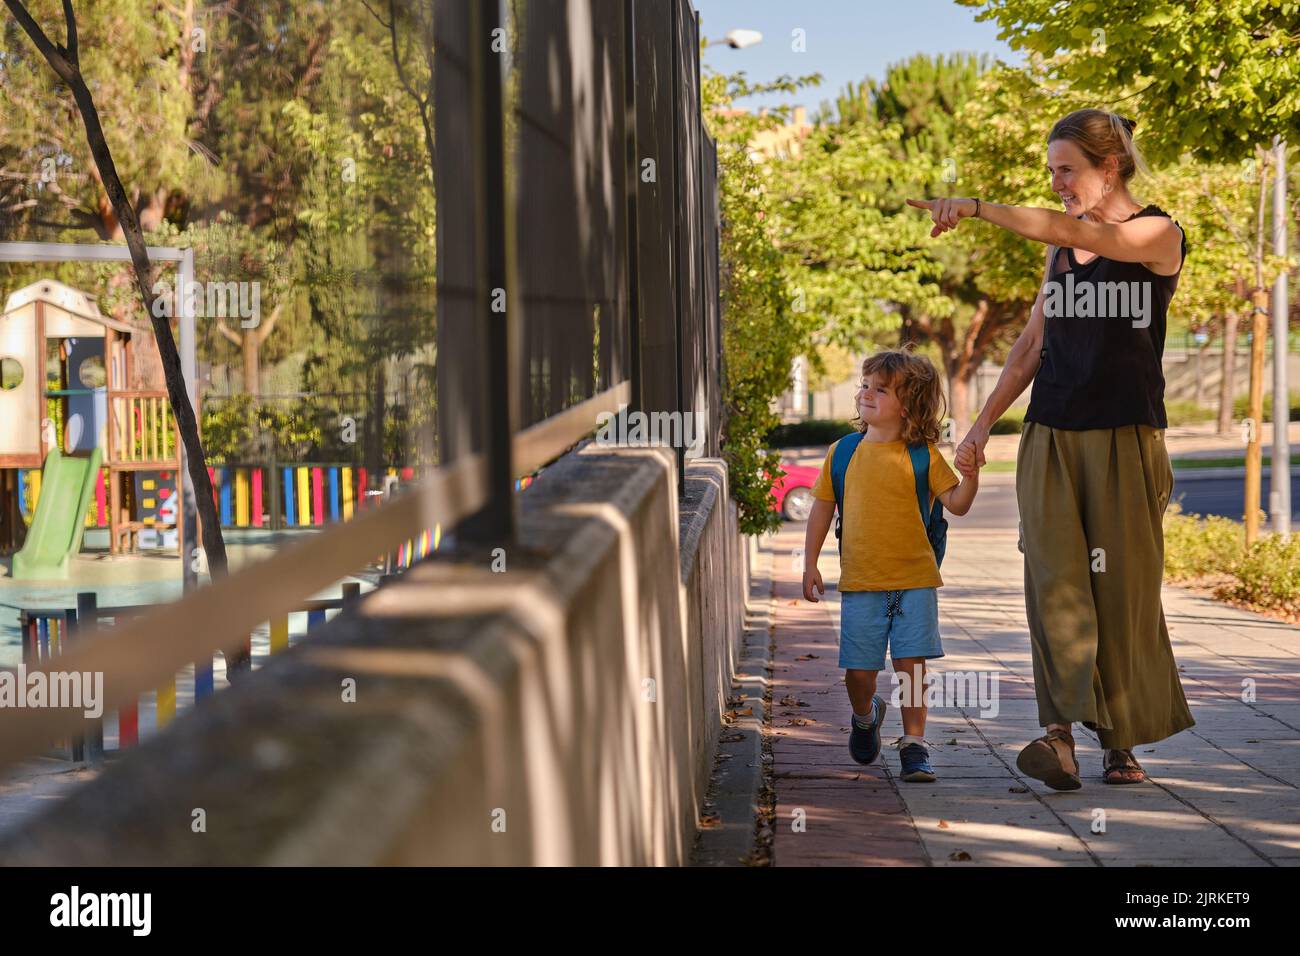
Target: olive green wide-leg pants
(1091,509)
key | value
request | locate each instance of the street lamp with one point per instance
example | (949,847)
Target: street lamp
(738,39)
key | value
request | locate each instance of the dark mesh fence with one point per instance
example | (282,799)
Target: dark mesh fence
(609,226)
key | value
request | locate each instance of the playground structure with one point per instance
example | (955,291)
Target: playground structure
(87,440)
(110,407)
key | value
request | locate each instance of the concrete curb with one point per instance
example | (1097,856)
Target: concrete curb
(733,801)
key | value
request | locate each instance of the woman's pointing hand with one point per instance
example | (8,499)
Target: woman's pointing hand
(946,213)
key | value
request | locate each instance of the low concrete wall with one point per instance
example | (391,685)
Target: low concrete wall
(564,711)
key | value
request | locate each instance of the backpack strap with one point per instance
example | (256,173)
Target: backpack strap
(921,473)
(840,459)
(936,529)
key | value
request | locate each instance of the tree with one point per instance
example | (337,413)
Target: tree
(1209,79)
(229,248)
(872,273)
(764,326)
(65,61)
(51,183)
(1220,206)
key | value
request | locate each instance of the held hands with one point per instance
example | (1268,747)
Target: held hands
(812,580)
(970,453)
(946,213)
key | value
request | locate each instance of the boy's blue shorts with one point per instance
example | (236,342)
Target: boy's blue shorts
(907,622)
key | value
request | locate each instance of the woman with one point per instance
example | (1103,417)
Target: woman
(1092,474)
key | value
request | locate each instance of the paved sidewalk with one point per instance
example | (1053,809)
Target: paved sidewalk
(1223,793)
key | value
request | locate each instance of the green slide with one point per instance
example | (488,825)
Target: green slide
(55,534)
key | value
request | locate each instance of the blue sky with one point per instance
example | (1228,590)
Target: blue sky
(845,39)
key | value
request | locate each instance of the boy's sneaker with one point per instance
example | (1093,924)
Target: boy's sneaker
(864,742)
(916,764)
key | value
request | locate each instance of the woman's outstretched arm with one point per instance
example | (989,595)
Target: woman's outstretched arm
(1151,239)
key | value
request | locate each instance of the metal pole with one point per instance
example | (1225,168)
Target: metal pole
(1279,497)
(678,173)
(189,507)
(496,522)
(633,172)
(87,622)
(1254,447)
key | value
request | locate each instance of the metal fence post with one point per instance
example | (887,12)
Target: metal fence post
(87,623)
(677,236)
(496,522)
(633,173)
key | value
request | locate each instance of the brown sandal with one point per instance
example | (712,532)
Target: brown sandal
(1042,760)
(1120,766)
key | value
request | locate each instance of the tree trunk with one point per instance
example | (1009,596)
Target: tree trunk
(959,402)
(249,346)
(1230,322)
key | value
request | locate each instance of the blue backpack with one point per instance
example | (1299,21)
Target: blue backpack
(936,526)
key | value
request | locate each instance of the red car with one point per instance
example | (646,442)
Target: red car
(794,497)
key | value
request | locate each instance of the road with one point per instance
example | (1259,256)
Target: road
(995,506)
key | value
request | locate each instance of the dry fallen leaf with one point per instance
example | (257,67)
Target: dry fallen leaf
(959,855)
(943,825)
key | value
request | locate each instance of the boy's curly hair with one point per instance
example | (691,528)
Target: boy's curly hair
(915,381)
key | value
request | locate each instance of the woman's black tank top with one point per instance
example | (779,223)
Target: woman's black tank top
(1103,338)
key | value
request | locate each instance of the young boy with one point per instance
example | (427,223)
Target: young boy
(888,571)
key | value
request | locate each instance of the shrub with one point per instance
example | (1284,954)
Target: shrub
(1011,423)
(1189,413)
(1239,406)
(1268,576)
(1196,546)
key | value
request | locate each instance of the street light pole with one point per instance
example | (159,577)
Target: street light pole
(1279,497)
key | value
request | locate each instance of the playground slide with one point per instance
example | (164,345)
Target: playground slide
(55,534)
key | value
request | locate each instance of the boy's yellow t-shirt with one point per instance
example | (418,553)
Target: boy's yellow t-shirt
(884,547)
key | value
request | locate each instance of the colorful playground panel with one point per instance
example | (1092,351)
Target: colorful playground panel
(48,633)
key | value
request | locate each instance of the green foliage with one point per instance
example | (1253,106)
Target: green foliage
(1268,576)
(1188,412)
(1241,407)
(852,259)
(810,431)
(1003,158)
(1213,79)
(762,333)
(142,80)
(1011,423)
(1196,547)
(239,430)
